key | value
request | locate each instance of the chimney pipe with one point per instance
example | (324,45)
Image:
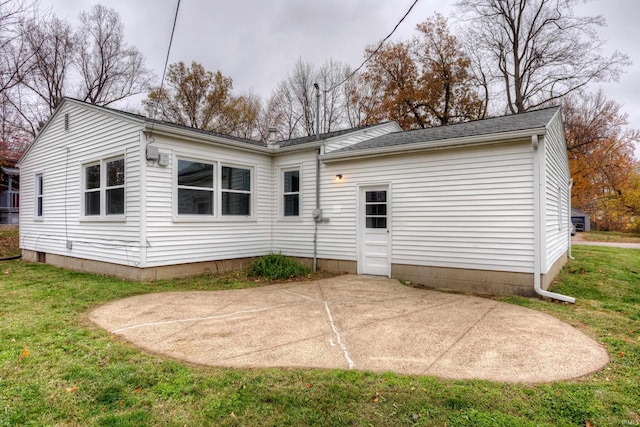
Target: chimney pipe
(271,139)
(315,85)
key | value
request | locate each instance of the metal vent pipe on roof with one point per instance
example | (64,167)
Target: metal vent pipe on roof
(315,85)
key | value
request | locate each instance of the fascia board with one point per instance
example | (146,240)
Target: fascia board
(432,145)
(203,138)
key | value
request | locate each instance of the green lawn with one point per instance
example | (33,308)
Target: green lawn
(58,369)
(610,236)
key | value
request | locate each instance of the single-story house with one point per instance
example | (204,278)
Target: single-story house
(580,220)
(482,206)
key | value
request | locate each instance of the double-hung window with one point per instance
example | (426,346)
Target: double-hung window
(236,191)
(104,188)
(195,188)
(291,193)
(212,189)
(39,195)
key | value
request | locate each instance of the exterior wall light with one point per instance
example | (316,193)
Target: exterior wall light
(339,178)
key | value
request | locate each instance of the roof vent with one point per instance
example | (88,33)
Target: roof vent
(66,122)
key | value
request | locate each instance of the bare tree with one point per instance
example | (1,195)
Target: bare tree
(51,43)
(15,60)
(110,69)
(13,53)
(538,49)
(292,106)
(361,101)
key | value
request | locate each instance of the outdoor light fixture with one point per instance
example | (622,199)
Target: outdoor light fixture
(339,178)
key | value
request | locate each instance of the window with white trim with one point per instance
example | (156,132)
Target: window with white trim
(236,191)
(39,195)
(291,193)
(195,188)
(104,188)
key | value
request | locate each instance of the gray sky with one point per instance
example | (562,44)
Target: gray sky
(257,42)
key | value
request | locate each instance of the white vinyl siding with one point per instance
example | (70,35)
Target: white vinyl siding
(177,239)
(467,208)
(58,154)
(294,235)
(556,200)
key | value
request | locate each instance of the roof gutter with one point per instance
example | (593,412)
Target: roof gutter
(539,220)
(195,136)
(476,140)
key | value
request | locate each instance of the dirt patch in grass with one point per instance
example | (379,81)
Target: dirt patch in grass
(9,242)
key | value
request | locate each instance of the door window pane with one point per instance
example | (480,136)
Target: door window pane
(376,222)
(376,196)
(376,209)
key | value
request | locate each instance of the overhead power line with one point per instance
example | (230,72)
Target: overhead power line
(368,58)
(166,62)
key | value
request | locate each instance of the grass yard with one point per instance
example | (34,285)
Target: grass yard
(610,236)
(57,369)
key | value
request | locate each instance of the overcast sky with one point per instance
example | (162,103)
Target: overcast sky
(257,42)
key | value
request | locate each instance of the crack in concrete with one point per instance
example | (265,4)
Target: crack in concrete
(460,337)
(196,319)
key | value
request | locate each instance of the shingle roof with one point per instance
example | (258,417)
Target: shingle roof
(528,120)
(177,126)
(283,143)
(323,136)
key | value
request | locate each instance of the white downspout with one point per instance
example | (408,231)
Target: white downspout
(538,224)
(569,217)
(142,212)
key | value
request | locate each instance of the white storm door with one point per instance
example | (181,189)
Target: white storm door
(374,223)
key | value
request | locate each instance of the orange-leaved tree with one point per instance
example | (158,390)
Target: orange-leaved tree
(601,160)
(425,82)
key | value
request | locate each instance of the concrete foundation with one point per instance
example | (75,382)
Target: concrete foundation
(457,279)
(475,281)
(149,274)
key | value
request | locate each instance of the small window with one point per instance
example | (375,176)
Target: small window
(39,195)
(236,191)
(115,187)
(291,193)
(92,190)
(195,188)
